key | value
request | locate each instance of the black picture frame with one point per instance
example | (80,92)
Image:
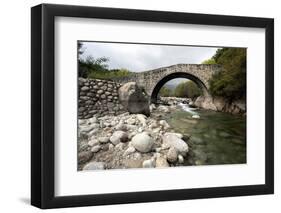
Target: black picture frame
(43,102)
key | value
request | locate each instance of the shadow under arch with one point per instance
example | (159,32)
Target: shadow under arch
(169,77)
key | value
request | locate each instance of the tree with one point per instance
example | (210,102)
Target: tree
(165,92)
(99,64)
(187,89)
(230,82)
(90,67)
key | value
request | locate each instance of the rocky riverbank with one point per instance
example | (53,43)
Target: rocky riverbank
(119,129)
(174,100)
(130,141)
(219,104)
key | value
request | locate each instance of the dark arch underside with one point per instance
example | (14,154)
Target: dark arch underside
(169,77)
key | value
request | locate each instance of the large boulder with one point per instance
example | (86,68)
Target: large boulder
(134,99)
(170,140)
(142,142)
(205,102)
(240,106)
(220,103)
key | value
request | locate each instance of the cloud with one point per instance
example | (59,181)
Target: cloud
(142,57)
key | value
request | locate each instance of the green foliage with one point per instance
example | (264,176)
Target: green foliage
(165,92)
(209,61)
(231,81)
(187,89)
(109,74)
(90,65)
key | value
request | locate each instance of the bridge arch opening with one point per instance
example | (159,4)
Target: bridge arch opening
(164,80)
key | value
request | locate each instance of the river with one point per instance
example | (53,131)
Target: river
(216,138)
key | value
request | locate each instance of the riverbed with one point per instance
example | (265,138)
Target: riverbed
(216,138)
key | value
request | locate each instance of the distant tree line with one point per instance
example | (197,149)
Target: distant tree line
(187,89)
(90,67)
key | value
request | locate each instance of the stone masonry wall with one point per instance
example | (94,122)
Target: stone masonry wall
(98,98)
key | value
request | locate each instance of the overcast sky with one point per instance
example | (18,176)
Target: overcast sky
(140,57)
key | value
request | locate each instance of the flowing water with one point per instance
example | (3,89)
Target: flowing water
(216,138)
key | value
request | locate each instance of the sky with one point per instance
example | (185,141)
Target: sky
(143,57)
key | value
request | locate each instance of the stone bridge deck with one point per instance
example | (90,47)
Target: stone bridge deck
(153,80)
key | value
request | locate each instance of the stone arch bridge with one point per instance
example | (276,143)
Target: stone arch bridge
(153,80)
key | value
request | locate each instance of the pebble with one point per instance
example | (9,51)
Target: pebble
(142,119)
(110,146)
(196,116)
(93,120)
(153,125)
(121,126)
(161,162)
(93,132)
(164,124)
(162,108)
(119,136)
(148,163)
(95,148)
(119,146)
(131,121)
(85,88)
(158,149)
(172,155)
(180,159)
(81,122)
(103,139)
(179,135)
(129,150)
(93,142)
(94,166)
(85,156)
